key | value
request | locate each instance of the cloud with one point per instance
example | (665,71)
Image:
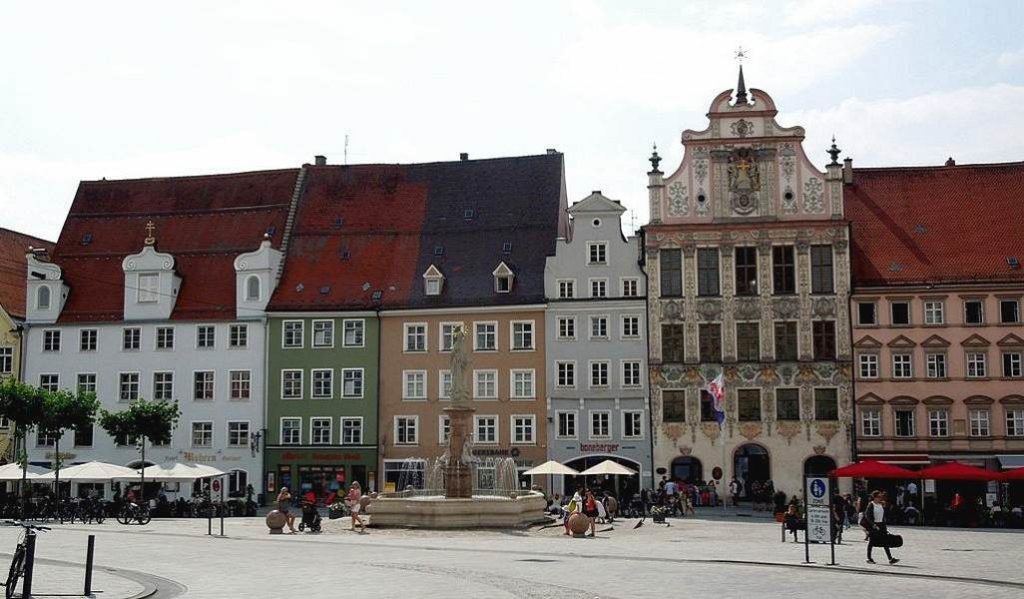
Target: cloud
(1009,60)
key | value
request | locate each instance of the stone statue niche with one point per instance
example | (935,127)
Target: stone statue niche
(744,181)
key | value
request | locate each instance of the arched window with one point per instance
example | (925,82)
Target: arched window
(688,469)
(819,465)
(43,298)
(252,289)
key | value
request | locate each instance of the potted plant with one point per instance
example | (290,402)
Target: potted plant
(779,499)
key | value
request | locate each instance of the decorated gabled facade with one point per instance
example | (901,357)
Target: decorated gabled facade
(747,256)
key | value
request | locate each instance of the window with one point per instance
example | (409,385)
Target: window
(938,423)
(87,383)
(486,429)
(630,327)
(444,384)
(163,386)
(202,387)
(43,298)
(51,340)
(824,339)
(486,336)
(407,430)
(786,341)
(787,404)
(566,288)
(899,313)
(165,338)
(353,333)
(866,314)
(45,438)
(416,337)
(600,424)
(673,343)
(598,327)
(631,373)
(707,271)
(238,482)
(902,366)
(871,423)
(238,433)
(291,431)
(710,338)
(352,382)
(323,383)
(83,436)
(49,382)
(414,384)
(448,330)
(149,288)
(323,333)
(522,335)
(783,270)
(904,423)
(566,374)
(597,252)
(1012,364)
(974,311)
(1015,423)
(202,434)
(935,365)
(6,360)
(291,384)
(241,385)
(238,336)
(503,278)
(131,338)
(671,264)
(432,284)
(598,287)
(205,337)
(522,384)
(566,425)
(631,287)
(980,424)
(128,385)
(351,431)
(599,374)
(868,366)
(821,269)
(934,312)
(673,405)
(976,365)
(523,429)
(87,340)
(320,431)
(746,270)
(485,384)
(122,440)
(749,401)
(826,404)
(1009,311)
(292,332)
(748,341)
(252,289)
(632,424)
(707,406)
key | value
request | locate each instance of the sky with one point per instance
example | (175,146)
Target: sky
(131,89)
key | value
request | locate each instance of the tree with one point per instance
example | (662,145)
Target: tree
(63,410)
(22,405)
(142,420)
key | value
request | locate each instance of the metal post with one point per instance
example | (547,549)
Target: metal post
(222,507)
(807,526)
(831,524)
(88,565)
(30,563)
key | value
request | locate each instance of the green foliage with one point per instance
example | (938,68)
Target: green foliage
(22,404)
(153,420)
(63,410)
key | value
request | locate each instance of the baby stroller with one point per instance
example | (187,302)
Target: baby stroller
(310,517)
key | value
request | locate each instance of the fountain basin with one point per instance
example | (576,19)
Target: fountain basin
(436,511)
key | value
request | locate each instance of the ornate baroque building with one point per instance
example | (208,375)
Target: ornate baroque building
(747,255)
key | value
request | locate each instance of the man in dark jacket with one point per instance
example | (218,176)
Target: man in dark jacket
(873,521)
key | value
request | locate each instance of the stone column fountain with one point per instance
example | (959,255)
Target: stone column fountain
(458,479)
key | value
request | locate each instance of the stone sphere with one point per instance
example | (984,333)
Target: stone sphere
(364,500)
(374,495)
(578,523)
(276,520)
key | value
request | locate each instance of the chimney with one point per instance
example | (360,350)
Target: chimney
(552,151)
(950,161)
(463,156)
(848,170)
(320,160)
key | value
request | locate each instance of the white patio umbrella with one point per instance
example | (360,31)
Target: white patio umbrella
(89,472)
(169,472)
(612,468)
(13,472)
(551,468)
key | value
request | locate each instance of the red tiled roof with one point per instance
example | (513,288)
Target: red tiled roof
(203,221)
(913,225)
(13,247)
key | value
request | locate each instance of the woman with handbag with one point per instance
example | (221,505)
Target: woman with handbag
(873,522)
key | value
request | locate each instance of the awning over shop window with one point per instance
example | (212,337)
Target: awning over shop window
(1009,462)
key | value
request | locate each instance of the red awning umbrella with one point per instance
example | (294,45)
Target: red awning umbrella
(1015,474)
(873,469)
(958,471)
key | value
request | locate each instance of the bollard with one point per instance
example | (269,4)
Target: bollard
(209,522)
(30,563)
(88,565)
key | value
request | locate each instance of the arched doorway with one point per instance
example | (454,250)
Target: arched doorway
(819,465)
(751,463)
(622,486)
(688,469)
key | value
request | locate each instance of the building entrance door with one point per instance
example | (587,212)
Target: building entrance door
(751,463)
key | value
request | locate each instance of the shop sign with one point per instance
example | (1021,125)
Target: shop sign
(599,447)
(503,452)
(63,456)
(198,457)
(316,456)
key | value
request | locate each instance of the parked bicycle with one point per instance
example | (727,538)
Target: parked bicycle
(134,513)
(18,560)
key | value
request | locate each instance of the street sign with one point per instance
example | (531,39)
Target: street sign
(818,515)
(818,524)
(817,491)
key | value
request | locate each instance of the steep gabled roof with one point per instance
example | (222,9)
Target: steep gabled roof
(913,225)
(204,221)
(13,247)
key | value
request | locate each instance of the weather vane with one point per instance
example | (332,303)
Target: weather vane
(741,54)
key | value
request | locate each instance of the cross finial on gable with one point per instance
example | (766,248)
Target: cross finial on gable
(150,238)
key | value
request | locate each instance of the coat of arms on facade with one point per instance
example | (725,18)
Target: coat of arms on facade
(744,180)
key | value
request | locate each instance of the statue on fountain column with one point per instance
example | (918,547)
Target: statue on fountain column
(458,482)
(460,370)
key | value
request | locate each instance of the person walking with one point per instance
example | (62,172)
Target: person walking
(353,499)
(284,504)
(591,511)
(734,491)
(874,522)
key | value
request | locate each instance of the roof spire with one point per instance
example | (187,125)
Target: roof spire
(834,153)
(741,86)
(655,161)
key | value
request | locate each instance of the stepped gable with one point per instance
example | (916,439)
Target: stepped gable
(13,247)
(914,225)
(203,221)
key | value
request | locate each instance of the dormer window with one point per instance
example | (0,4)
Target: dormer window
(43,298)
(252,289)
(503,277)
(433,281)
(597,252)
(149,288)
